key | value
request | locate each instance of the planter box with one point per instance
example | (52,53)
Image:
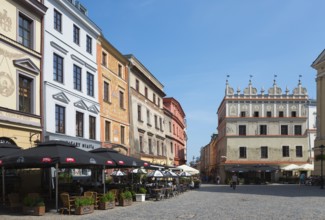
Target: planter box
(106,205)
(140,197)
(39,210)
(81,210)
(125,202)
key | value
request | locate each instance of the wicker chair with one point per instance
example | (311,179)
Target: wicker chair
(68,203)
(14,201)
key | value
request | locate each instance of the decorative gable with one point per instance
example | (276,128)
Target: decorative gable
(61,97)
(28,65)
(93,109)
(81,104)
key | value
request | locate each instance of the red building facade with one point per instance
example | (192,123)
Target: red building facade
(178,130)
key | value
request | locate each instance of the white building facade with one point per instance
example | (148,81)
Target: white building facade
(70,75)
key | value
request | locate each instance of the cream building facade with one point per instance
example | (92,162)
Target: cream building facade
(20,71)
(319,66)
(147,134)
(262,132)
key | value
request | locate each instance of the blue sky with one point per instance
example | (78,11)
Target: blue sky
(191,46)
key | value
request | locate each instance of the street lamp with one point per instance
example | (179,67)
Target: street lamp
(321,166)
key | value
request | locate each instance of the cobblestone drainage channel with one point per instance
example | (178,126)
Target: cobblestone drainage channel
(186,216)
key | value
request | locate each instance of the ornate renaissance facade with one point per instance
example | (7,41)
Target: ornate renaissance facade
(20,71)
(262,132)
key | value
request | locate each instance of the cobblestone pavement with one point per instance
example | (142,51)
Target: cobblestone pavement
(217,202)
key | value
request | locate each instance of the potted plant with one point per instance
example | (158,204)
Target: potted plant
(107,201)
(141,195)
(84,205)
(125,198)
(33,206)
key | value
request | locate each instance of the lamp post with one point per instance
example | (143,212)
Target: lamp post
(321,166)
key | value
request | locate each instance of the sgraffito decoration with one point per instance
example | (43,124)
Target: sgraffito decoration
(7,85)
(5,21)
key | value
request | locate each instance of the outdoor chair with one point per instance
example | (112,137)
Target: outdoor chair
(14,201)
(68,203)
(89,194)
(115,192)
(96,199)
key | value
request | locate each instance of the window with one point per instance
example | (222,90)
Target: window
(170,127)
(154,98)
(160,124)
(79,124)
(263,130)
(150,145)
(256,114)
(106,92)
(120,70)
(163,152)
(269,114)
(104,59)
(148,117)
(57,21)
(264,152)
(171,147)
(242,152)
(137,85)
(242,129)
(158,102)
(156,122)
(122,135)
(90,84)
(25,35)
(139,113)
(293,114)
(242,114)
(285,151)
(89,45)
(25,94)
(77,77)
(298,151)
(298,130)
(121,100)
(107,131)
(281,114)
(146,92)
(158,150)
(92,127)
(57,68)
(284,129)
(76,34)
(174,129)
(59,119)
(141,143)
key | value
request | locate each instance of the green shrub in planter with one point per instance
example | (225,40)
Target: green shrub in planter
(30,201)
(83,201)
(108,197)
(126,195)
(142,190)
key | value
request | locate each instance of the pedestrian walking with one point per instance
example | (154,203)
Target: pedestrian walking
(218,180)
(302,178)
(234,180)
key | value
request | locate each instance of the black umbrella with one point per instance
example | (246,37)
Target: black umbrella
(6,149)
(50,153)
(121,160)
(55,153)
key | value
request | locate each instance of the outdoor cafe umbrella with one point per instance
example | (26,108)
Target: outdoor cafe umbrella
(290,167)
(156,174)
(55,154)
(119,174)
(6,149)
(121,160)
(170,174)
(188,169)
(306,167)
(185,174)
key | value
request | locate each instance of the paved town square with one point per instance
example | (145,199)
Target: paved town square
(218,202)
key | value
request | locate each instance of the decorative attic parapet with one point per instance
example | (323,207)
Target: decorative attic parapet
(275,91)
